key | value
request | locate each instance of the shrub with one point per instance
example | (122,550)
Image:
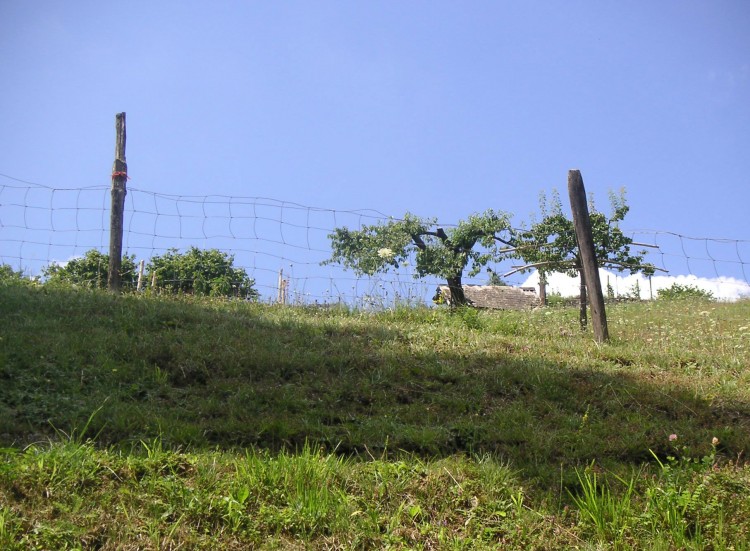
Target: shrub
(9,276)
(91,271)
(201,272)
(681,292)
(557,300)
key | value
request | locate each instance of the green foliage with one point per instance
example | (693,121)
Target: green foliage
(496,280)
(690,498)
(201,272)
(469,317)
(681,292)
(556,300)
(91,271)
(634,293)
(610,513)
(551,242)
(8,273)
(610,290)
(9,276)
(443,253)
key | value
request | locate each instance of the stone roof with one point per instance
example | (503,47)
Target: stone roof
(496,297)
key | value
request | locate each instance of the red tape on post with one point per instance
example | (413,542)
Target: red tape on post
(120,175)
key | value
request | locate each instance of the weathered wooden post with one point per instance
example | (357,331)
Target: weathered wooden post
(590,267)
(141,267)
(119,179)
(582,315)
(282,288)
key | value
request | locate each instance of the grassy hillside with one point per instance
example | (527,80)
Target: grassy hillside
(449,430)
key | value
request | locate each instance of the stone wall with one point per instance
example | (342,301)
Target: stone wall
(496,297)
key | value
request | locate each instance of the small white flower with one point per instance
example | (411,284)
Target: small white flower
(386,253)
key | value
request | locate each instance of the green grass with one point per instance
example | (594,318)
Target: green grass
(154,423)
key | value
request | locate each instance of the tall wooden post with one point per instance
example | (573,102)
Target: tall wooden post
(119,179)
(585,238)
(282,288)
(583,301)
(140,275)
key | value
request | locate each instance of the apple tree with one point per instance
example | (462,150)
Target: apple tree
(550,246)
(442,252)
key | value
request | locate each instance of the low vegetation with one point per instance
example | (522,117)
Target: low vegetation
(154,422)
(682,292)
(202,272)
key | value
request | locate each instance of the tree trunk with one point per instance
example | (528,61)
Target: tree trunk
(543,289)
(457,292)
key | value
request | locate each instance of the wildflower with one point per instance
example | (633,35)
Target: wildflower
(714,441)
(672,437)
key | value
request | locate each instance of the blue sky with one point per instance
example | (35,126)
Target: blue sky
(441,109)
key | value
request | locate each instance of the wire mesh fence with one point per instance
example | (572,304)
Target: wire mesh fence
(280,244)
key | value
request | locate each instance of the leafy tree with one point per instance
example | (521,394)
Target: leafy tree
(445,253)
(682,292)
(495,280)
(201,272)
(10,276)
(550,245)
(91,271)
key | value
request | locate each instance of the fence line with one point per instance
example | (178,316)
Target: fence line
(40,225)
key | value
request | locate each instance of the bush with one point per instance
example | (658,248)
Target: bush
(91,271)
(9,276)
(557,300)
(681,292)
(201,272)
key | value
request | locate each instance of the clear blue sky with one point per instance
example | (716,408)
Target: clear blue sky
(437,108)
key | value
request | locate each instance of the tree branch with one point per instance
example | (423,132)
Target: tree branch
(419,242)
(536,265)
(503,241)
(641,266)
(572,264)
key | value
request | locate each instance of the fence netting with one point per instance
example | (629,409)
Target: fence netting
(280,244)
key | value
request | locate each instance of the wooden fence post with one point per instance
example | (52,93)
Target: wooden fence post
(140,275)
(582,316)
(590,270)
(119,179)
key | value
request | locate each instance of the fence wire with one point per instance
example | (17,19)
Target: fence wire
(272,240)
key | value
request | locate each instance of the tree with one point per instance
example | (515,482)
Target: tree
(91,271)
(10,276)
(201,272)
(495,280)
(550,244)
(445,253)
